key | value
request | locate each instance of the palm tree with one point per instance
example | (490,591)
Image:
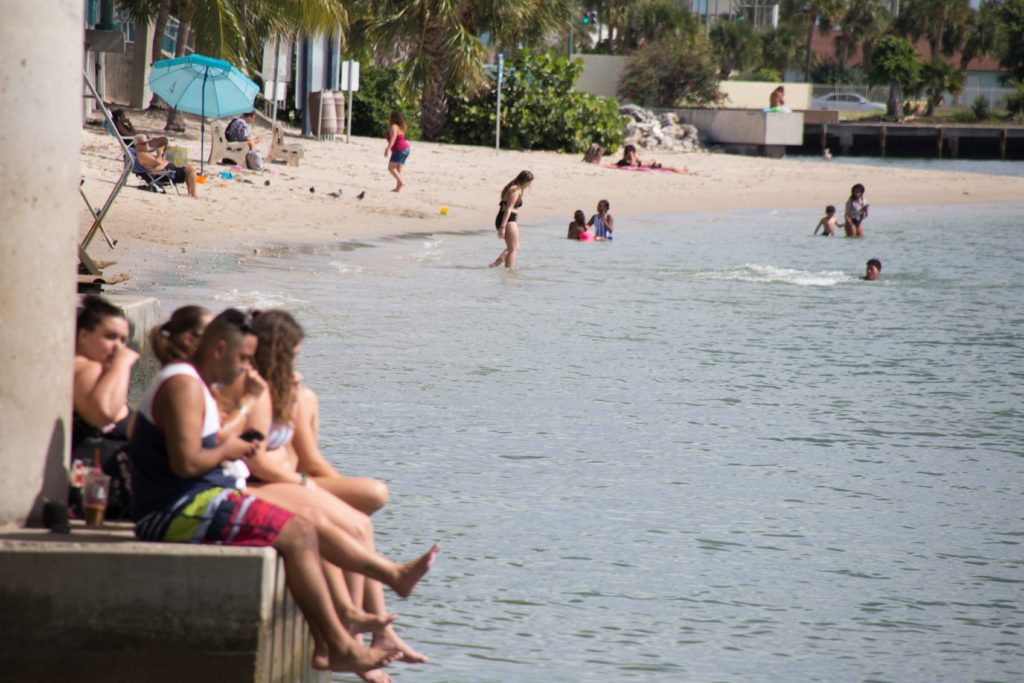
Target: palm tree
(931,19)
(976,36)
(812,13)
(863,22)
(440,44)
(735,45)
(780,46)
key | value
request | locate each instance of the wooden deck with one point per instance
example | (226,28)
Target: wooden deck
(935,141)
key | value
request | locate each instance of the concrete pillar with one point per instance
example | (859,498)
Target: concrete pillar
(139,93)
(40,131)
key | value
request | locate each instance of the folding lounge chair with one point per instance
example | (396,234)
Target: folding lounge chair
(223,149)
(154,180)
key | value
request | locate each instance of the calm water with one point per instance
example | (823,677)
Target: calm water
(706,452)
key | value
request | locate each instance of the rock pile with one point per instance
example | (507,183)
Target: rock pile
(647,130)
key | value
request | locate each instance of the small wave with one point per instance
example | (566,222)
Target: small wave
(256,299)
(346,268)
(753,272)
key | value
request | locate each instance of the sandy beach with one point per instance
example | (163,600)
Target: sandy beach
(277,205)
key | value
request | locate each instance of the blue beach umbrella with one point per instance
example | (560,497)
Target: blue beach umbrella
(204,86)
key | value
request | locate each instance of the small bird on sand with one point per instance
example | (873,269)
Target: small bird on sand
(361,194)
(336,195)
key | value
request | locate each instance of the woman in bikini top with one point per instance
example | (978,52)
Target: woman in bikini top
(512,217)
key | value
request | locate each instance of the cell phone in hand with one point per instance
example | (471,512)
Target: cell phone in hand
(252,435)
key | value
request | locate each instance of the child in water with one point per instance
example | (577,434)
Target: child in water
(578,228)
(856,212)
(604,224)
(827,224)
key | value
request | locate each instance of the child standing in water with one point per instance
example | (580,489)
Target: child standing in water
(856,212)
(604,224)
(827,224)
(578,228)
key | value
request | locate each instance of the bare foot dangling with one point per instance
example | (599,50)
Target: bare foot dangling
(410,573)
(358,621)
(389,640)
(359,659)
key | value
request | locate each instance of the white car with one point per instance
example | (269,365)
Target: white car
(847,102)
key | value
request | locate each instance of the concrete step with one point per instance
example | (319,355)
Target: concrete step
(98,605)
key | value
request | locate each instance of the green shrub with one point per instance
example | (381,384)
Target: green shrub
(1015,102)
(379,95)
(765,75)
(980,108)
(540,109)
(671,72)
(964,117)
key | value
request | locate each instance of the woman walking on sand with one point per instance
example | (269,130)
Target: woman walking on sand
(507,220)
(398,147)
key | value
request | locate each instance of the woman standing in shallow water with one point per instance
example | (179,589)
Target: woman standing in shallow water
(507,220)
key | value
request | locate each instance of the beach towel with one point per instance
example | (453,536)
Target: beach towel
(638,169)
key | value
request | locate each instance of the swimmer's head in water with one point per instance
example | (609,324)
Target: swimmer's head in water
(874,269)
(579,217)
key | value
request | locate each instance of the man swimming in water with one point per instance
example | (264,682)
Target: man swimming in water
(874,270)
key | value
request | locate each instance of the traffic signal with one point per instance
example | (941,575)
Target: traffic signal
(589,18)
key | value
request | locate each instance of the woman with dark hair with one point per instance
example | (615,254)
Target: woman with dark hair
(507,220)
(397,148)
(177,339)
(101,418)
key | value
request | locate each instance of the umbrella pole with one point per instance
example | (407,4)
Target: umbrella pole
(202,125)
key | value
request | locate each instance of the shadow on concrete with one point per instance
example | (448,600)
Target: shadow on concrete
(55,475)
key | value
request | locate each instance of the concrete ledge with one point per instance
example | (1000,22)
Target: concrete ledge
(101,606)
(747,131)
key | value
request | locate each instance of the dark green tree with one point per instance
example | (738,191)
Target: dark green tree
(811,14)
(937,77)
(540,109)
(668,73)
(1011,20)
(894,62)
(735,45)
(780,46)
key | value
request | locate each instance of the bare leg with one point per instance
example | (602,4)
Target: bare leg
(500,260)
(512,244)
(386,638)
(364,494)
(297,544)
(353,618)
(396,170)
(190,180)
(337,545)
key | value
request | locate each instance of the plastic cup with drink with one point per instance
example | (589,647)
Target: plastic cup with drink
(94,496)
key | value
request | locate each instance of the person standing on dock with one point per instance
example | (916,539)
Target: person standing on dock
(856,212)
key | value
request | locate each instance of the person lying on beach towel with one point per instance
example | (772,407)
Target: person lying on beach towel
(630,161)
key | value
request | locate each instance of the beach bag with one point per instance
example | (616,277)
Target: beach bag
(177,156)
(254,160)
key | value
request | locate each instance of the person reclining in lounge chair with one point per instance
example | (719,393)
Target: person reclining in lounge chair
(153,160)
